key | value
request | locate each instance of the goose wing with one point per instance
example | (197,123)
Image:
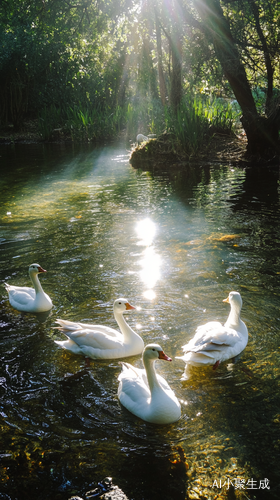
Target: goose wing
(212,337)
(20,295)
(133,391)
(93,339)
(74,326)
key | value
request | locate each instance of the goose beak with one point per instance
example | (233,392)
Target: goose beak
(226,300)
(41,270)
(129,306)
(161,355)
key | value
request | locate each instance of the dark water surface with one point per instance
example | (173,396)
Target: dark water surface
(174,245)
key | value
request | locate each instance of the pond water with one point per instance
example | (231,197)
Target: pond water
(174,244)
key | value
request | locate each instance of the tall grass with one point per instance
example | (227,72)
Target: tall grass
(222,114)
(145,116)
(49,120)
(93,124)
(197,120)
(190,127)
(90,124)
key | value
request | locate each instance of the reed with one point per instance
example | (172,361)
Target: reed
(191,126)
(49,120)
(222,114)
(145,116)
(82,124)
(79,124)
(197,120)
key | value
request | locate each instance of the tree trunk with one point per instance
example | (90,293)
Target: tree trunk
(267,60)
(176,75)
(148,72)
(162,86)
(261,132)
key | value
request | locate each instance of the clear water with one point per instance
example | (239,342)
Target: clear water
(175,244)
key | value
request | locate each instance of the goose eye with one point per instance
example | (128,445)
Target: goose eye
(153,349)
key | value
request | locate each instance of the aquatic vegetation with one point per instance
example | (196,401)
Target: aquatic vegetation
(81,124)
(187,132)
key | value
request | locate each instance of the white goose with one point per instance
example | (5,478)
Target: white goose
(99,341)
(146,394)
(213,342)
(27,299)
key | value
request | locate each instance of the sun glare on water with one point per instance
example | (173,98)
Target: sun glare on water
(146,230)
(150,261)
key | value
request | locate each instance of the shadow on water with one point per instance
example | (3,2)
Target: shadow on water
(259,184)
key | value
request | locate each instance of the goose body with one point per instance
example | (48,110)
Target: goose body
(214,343)
(146,394)
(141,138)
(99,341)
(27,299)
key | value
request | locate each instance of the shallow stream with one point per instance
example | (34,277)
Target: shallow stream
(174,244)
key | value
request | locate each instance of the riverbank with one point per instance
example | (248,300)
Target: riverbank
(29,134)
(221,148)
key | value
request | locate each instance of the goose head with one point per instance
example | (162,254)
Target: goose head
(234,299)
(121,305)
(35,269)
(153,352)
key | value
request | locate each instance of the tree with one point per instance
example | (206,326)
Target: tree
(216,22)
(162,86)
(58,52)
(169,21)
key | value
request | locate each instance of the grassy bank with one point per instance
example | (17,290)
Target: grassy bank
(185,133)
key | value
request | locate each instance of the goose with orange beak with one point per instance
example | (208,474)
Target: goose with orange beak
(100,341)
(27,299)
(145,393)
(213,342)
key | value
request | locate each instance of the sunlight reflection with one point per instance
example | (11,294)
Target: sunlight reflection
(149,294)
(121,158)
(150,261)
(146,230)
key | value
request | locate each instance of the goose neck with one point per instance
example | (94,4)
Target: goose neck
(36,283)
(151,374)
(234,316)
(124,327)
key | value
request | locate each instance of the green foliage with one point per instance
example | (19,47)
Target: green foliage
(189,126)
(221,114)
(81,124)
(144,115)
(49,120)
(91,68)
(52,55)
(196,120)
(260,98)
